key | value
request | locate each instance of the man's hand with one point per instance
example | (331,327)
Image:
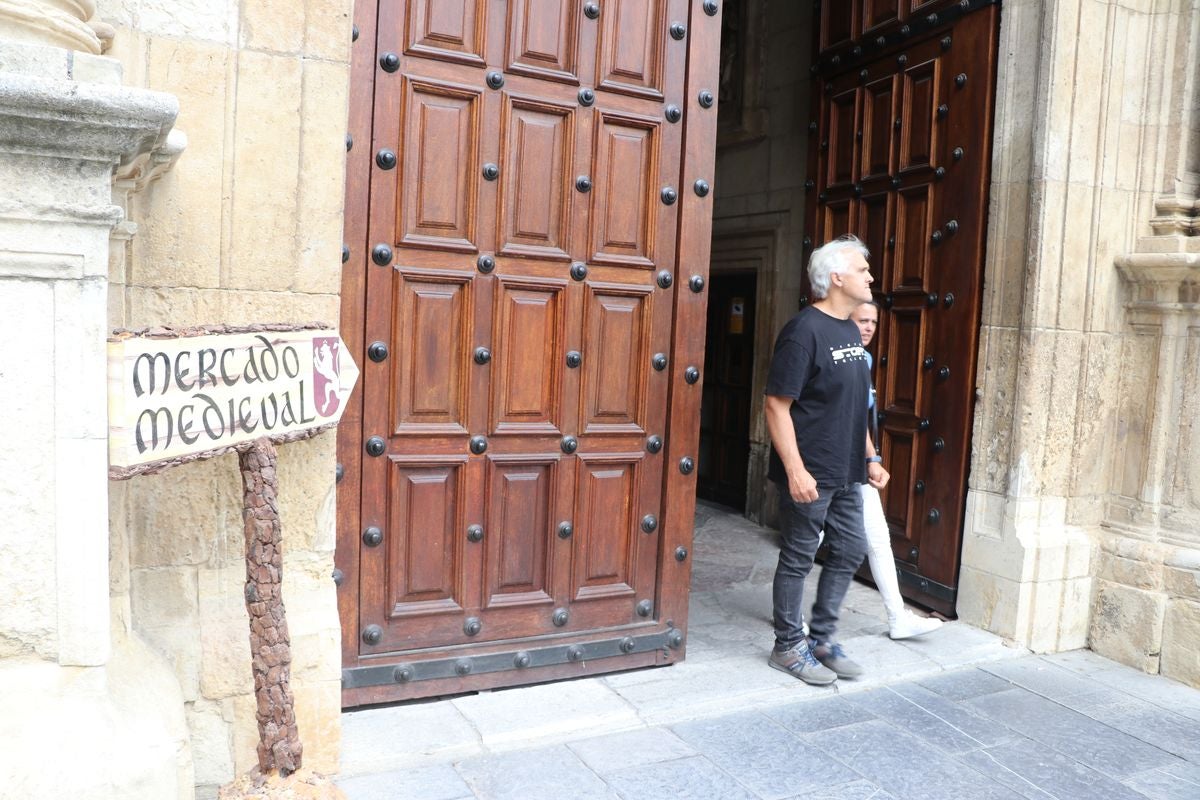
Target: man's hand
(802,486)
(877,476)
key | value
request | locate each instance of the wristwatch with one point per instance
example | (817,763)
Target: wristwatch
(874,459)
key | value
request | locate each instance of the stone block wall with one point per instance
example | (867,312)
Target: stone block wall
(1075,423)
(245,228)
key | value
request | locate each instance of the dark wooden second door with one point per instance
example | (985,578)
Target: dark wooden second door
(523,219)
(900,149)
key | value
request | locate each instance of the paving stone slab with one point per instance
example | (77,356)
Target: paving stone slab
(763,756)
(855,790)
(965,683)
(904,766)
(524,716)
(1165,784)
(1042,677)
(1189,772)
(694,778)
(1053,773)
(409,735)
(939,721)
(620,751)
(1080,737)
(548,773)
(719,687)
(985,764)
(1163,729)
(957,644)
(818,715)
(1155,689)
(439,782)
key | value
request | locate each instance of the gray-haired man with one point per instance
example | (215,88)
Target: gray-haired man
(816,413)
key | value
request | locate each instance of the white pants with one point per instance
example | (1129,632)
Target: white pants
(879,552)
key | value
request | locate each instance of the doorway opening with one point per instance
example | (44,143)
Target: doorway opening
(727,399)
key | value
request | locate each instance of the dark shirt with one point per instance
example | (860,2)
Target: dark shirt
(820,363)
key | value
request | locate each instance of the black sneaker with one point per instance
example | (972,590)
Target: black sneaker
(834,657)
(800,663)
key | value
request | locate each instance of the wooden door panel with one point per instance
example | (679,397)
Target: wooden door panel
(626,159)
(431,342)
(898,494)
(438,201)
(452,30)
(917,137)
(904,347)
(874,217)
(880,102)
(543,39)
(605,550)
(529,264)
(925,75)
(878,13)
(914,219)
(615,354)
(837,24)
(518,534)
(837,218)
(424,552)
(529,327)
(535,179)
(630,50)
(842,139)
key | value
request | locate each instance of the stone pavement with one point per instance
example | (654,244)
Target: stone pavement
(958,714)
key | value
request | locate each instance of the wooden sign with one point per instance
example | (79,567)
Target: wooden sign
(178,396)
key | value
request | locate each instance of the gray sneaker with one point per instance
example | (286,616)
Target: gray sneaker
(833,656)
(800,663)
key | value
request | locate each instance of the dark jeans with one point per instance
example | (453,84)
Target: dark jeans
(839,511)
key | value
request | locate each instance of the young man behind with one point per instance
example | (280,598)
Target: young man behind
(817,392)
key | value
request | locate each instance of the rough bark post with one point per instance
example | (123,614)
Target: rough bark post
(270,646)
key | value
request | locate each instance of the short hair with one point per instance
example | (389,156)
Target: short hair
(830,258)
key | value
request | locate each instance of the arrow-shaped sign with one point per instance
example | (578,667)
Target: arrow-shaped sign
(178,397)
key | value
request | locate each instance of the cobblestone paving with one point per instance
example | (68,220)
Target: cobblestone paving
(960,715)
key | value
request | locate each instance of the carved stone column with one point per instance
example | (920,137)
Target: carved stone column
(68,682)
(1084,369)
(56,23)
(1148,578)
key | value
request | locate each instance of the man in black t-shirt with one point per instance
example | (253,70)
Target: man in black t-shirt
(816,413)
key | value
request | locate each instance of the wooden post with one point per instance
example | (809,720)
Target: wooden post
(270,645)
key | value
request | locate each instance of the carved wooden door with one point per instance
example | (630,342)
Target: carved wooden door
(899,154)
(518,521)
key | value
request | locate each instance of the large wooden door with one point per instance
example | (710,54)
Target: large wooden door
(526,337)
(899,153)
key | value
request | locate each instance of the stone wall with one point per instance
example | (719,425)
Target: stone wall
(1076,463)
(70,683)
(758,213)
(246,228)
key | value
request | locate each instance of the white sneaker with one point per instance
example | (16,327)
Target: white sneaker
(910,625)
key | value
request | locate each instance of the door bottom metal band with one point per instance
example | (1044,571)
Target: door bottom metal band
(439,668)
(929,587)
